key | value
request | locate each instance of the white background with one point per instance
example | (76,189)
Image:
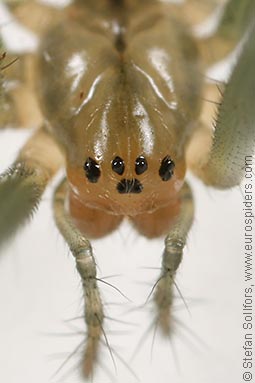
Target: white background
(40,290)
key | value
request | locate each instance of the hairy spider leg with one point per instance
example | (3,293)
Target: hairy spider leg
(22,185)
(233,139)
(86,266)
(172,256)
(20,106)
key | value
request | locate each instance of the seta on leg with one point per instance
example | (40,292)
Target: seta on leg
(86,266)
(2,64)
(23,184)
(172,256)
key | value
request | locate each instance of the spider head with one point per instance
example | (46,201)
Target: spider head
(128,158)
(127,183)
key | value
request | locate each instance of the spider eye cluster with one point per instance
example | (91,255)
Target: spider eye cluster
(92,170)
(166,169)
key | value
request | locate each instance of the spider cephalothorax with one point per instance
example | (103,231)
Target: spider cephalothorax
(121,86)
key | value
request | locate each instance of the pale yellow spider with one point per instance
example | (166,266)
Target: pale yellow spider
(121,87)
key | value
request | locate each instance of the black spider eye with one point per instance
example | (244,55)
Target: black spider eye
(118,165)
(166,169)
(141,165)
(92,170)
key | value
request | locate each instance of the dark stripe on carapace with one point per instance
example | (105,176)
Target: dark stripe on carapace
(120,14)
(129,186)
(120,43)
(117,3)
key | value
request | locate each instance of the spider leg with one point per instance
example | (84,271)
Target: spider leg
(232,26)
(233,139)
(19,105)
(22,185)
(37,17)
(172,256)
(193,12)
(2,63)
(86,266)
(202,136)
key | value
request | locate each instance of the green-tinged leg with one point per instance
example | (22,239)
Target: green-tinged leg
(172,256)
(234,23)
(233,138)
(22,185)
(85,263)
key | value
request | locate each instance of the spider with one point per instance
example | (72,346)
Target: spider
(122,106)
